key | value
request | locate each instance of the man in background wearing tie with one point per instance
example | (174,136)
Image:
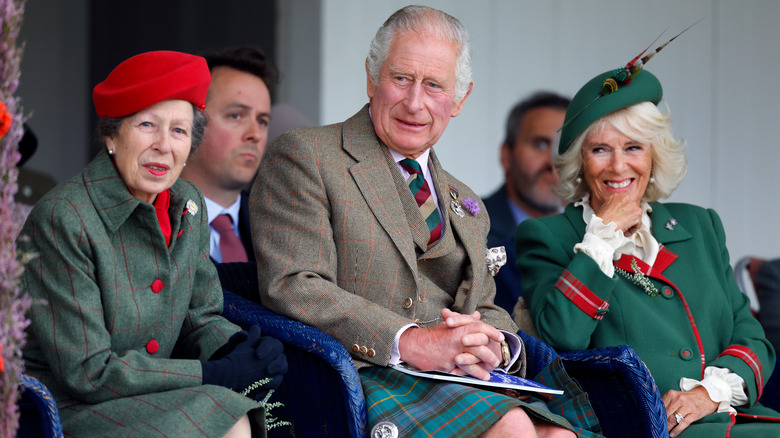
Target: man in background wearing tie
(238,108)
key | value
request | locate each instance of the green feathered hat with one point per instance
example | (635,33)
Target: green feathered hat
(601,96)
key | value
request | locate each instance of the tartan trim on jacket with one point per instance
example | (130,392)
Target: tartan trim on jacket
(581,296)
(751,359)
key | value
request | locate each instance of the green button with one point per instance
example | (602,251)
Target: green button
(686,354)
(667,292)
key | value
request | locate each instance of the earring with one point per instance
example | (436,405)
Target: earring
(110,152)
(578,180)
(652,179)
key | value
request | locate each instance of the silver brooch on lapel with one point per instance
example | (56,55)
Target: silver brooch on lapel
(455,204)
(671,223)
(495,258)
(192,207)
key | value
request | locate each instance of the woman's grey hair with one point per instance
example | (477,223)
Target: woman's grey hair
(423,20)
(109,127)
(644,123)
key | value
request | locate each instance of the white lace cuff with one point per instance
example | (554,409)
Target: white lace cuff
(604,243)
(723,386)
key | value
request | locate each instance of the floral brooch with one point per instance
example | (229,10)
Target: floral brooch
(192,207)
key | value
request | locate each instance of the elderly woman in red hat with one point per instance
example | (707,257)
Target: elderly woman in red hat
(126,328)
(618,267)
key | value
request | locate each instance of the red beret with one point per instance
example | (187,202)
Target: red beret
(149,78)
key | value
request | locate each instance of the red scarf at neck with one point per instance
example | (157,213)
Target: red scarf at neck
(161,205)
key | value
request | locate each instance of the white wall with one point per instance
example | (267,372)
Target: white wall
(718,81)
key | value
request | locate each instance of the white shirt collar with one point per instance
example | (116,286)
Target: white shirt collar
(422,159)
(215,210)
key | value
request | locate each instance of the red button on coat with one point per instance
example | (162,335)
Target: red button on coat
(152,347)
(157,286)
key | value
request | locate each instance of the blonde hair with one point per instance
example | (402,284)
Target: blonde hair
(642,122)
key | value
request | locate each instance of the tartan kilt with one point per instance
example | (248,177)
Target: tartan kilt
(432,408)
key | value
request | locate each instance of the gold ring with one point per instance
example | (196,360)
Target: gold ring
(678,417)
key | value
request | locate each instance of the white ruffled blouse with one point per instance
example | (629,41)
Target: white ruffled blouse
(604,243)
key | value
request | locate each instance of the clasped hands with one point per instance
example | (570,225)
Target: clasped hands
(247,358)
(462,345)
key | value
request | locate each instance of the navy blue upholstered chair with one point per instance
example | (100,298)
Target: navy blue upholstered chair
(321,391)
(619,385)
(322,395)
(38,413)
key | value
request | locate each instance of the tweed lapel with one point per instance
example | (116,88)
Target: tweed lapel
(109,194)
(372,175)
(179,211)
(455,225)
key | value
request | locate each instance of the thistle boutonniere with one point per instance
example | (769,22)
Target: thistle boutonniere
(192,207)
(639,279)
(472,205)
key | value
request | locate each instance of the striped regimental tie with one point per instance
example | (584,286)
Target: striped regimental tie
(422,194)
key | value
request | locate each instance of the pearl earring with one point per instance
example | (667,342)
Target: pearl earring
(110,152)
(652,179)
(578,180)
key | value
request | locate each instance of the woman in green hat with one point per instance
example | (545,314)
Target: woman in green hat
(618,267)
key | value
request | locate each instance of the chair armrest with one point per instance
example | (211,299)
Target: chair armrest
(621,390)
(38,413)
(320,368)
(539,354)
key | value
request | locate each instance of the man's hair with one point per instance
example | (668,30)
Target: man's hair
(246,59)
(540,99)
(425,21)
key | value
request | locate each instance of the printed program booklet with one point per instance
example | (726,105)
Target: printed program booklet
(499,380)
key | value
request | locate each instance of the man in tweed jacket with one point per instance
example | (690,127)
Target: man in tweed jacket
(342,245)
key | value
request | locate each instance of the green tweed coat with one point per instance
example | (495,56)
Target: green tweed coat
(699,319)
(120,321)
